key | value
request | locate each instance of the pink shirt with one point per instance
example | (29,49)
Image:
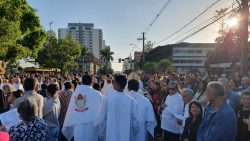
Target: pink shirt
(4,136)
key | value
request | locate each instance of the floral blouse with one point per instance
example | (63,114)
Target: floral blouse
(35,130)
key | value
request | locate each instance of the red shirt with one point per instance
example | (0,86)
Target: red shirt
(4,136)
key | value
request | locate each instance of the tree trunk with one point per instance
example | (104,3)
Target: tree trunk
(244,37)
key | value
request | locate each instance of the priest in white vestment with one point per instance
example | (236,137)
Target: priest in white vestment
(118,117)
(146,112)
(82,111)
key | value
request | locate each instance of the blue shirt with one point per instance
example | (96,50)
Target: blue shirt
(220,125)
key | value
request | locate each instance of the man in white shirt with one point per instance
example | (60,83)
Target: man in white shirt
(173,106)
(18,84)
(82,111)
(118,118)
(146,112)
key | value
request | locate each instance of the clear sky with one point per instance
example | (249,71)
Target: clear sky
(123,21)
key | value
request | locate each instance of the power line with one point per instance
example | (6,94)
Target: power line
(157,16)
(189,22)
(197,26)
(206,25)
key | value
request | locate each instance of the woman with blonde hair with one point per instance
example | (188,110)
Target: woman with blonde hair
(7,89)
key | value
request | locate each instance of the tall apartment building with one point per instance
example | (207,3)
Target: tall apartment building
(86,35)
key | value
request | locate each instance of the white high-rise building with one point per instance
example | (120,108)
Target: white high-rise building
(62,33)
(128,64)
(86,35)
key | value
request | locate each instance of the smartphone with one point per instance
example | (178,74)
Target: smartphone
(0,123)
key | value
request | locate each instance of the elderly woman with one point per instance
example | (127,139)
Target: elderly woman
(31,128)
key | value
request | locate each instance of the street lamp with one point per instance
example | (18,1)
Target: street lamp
(50,45)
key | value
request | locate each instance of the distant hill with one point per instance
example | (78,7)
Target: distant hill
(159,53)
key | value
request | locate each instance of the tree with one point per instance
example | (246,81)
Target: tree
(106,57)
(67,50)
(149,67)
(46,56)
(59,54)
(84,52)
(228,41)
(21,34)
(164,66)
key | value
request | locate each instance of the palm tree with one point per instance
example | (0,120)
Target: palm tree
(106,57)
(84,53)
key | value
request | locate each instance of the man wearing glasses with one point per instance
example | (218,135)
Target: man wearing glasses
(173,106)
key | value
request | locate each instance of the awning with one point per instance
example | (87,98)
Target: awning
(220,65)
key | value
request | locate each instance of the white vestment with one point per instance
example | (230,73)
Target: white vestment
(170,113)
(82,111)
(118,118)
(107,89)
(147,116)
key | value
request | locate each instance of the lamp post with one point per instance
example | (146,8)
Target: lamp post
(50,45)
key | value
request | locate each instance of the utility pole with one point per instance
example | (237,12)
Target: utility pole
(244,11)
(143,46)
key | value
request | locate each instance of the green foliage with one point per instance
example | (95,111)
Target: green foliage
(106,57)
(84,51)
(162,66)
(67,50)
(165,66)
(46,56)
(21,34)
(149,67)
(61,54)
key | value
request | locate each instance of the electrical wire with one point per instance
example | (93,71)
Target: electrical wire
(199,15)
(158,15)
(207,25)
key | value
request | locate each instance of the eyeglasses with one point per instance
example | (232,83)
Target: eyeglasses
(172,89)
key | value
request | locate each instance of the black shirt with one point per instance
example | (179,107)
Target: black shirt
(243,134)
(191,128)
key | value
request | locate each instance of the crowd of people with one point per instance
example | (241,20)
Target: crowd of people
(133,107)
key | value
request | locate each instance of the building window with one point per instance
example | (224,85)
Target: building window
(198,61)
(191,51)
(183,51)
(190,61)
(176,61)
(183,61)
(176,51)
(198,51)
(87,28)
